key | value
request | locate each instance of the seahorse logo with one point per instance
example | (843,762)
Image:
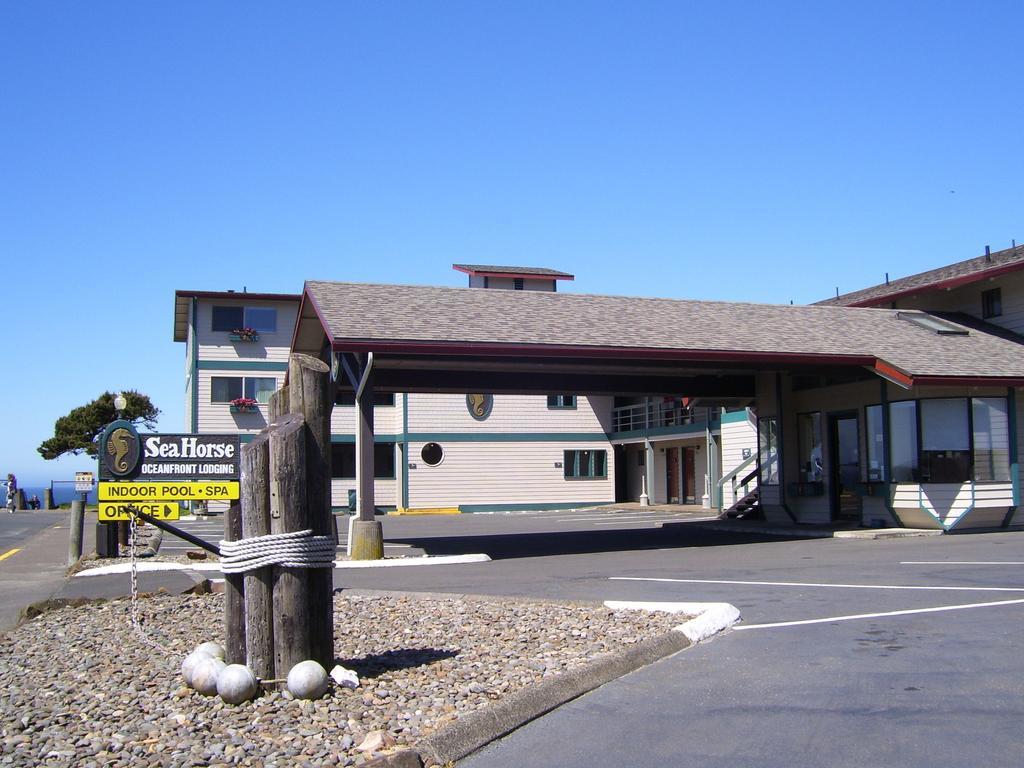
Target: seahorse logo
(118,445)
(122,449)
(479,406)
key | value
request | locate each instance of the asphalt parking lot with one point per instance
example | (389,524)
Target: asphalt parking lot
(849,653)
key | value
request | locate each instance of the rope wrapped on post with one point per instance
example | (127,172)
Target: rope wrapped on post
(298,549)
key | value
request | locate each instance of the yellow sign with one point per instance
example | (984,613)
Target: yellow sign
(203,490)
(161,511)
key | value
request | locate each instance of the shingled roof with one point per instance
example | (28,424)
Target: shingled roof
(491,269)
(961,273)
(438,320)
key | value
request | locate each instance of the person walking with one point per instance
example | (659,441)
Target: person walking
(12,492)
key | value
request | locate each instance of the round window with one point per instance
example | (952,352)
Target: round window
(432,454)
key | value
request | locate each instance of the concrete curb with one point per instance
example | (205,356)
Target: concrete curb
(470,732)
(708,618)
(802,532)
(398,562)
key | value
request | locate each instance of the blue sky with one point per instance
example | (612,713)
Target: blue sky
(722,150)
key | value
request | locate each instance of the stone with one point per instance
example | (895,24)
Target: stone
(375,741)
(346,678)
(188,666)
(307,680)
(211,649)
(204,677)
(236,683)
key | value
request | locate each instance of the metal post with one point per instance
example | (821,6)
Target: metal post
(647,479)
(77,529)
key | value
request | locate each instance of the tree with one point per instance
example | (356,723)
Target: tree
(78,431)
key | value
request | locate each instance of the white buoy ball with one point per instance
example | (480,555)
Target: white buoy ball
(188,666)
(204,676)
(211,649)
(307,680)
(236,683)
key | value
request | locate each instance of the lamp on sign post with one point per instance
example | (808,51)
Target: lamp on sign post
(120,403)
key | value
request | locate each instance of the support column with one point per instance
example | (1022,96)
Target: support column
(647,480)
(366,536)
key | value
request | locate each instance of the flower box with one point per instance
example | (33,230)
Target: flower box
(244,405)
(244,335)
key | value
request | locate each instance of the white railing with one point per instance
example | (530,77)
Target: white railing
(629,418)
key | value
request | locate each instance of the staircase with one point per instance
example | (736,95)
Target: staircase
(746,508)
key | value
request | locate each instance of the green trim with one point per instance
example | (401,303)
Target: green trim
(679,429)
(405,450)
(530,507)
(734,417)
(245,438)
(195,367)
(376,439)
(240,365)
(506,437)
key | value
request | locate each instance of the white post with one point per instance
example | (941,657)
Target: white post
(647,478)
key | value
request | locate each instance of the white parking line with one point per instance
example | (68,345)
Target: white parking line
(960,562)
(877,615)
(813,584)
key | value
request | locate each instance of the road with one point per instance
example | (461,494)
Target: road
(33,554)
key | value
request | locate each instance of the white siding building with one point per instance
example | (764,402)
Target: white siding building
(431,452)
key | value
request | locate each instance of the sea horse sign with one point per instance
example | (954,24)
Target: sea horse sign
(126,455)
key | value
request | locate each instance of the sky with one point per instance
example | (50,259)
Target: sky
(767,152)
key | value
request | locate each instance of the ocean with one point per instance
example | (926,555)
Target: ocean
(63,492)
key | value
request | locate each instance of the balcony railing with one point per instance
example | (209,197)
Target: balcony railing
(629,418)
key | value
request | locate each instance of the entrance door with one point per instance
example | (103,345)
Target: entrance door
(672,471)
(689,476)
(845,469)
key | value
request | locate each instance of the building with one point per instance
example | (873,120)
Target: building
(876,416)
(470,452)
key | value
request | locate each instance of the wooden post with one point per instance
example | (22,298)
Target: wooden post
(77,528)
(278,405)
(311,394)
(288,514)
(48,498)
(234,594)
(259,583)
(365,534)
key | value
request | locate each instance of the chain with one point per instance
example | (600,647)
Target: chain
(133,526)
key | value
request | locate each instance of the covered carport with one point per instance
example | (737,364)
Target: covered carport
(394,338)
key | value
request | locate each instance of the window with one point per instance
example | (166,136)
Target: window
(561,401)
(224,389)
(809,438)
(991,432)
(379,398)
(903,441)
(432,454)
(876,447)
(991,303)
(258,318)
(768,450)
(261,319)
(961,439)
(343,460)
(584,464)
(934,324)
(260,389)
(517,283)
(228,318)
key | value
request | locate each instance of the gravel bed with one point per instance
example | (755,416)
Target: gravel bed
(78,688)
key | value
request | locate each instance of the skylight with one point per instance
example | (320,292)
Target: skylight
(934,324)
